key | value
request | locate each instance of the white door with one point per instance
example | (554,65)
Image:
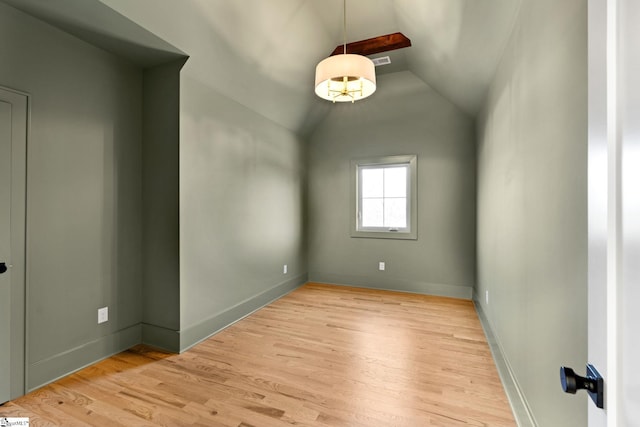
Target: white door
(614,208)
(13,133)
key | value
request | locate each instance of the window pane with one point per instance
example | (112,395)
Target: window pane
(372,213)
(372,180)
(386,197)
(395,212)
(395,182)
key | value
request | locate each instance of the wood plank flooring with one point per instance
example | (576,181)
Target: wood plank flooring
(320,356)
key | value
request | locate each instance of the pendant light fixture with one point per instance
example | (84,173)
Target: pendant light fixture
(345,77)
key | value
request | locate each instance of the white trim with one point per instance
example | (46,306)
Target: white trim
(410,232)
(614,223)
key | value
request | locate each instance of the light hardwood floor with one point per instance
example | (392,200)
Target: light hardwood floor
(320,356)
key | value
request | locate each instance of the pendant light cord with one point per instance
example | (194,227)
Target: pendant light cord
(344,29)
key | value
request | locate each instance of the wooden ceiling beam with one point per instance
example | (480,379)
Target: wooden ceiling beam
(375,45)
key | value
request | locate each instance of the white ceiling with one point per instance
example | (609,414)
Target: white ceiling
(456,44)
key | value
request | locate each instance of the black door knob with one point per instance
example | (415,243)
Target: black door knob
(3,267)
(592,383)
(572,382)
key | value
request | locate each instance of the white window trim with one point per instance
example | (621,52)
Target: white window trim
(411,232)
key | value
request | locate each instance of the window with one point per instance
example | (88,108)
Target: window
(384,204)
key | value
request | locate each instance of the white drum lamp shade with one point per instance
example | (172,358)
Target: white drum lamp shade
(345,78)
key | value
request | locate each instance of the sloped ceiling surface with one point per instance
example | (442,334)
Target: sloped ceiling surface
(263,54)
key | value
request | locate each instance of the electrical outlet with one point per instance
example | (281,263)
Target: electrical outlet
(381,266)
(103,315)
(284,269)
(486,296)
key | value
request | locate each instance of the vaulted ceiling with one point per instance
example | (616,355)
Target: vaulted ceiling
(456,44)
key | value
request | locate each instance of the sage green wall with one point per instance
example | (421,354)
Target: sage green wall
(403,117)
(241,180)
(532,205)
(241,211)
(83,194)
(160,196)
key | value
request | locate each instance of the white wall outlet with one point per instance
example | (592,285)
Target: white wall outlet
(284,269)
(103,314)
(381,266)
(486,296)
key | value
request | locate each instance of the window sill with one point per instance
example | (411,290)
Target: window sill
(385,235)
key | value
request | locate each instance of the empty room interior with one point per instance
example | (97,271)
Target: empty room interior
(181,174)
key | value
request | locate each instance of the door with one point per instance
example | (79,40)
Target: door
(614,207)
(13,134)
(5,216)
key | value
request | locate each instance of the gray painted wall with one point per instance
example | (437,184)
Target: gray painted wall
(241,182)
(83,194)
(403,117)
(105,184)
(241,210)
(160,197)
(532,205)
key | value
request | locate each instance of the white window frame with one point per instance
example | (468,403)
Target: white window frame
(411,231)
